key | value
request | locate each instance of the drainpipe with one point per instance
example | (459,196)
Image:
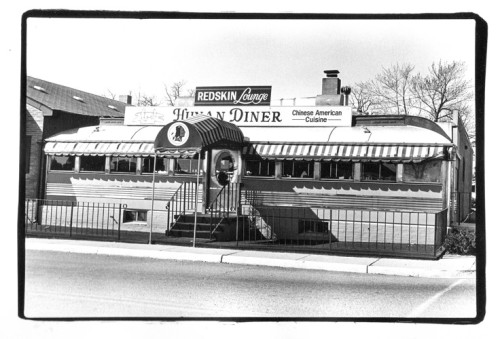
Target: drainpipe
(42,172)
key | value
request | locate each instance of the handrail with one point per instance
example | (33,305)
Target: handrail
(222,204)
(180,201)
(172,200)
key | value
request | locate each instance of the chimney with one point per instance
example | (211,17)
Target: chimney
(455,116)
(126,99)
(330,94)
(331,84)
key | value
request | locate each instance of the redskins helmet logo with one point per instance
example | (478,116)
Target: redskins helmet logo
(178,134)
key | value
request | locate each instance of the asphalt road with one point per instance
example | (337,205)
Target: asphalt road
(69,285)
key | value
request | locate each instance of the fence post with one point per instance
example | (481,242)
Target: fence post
(238,207)
(436,232)
(229,199)
(167,207)
(330,231)
(119,219)
(71,220)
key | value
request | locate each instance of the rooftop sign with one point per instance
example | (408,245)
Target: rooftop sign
(233,96)
(262,116)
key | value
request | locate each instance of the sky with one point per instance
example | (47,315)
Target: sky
(119,56)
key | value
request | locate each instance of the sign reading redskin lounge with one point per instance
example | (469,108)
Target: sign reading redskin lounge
(233,96)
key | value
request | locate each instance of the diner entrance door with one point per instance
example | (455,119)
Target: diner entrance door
(224,177)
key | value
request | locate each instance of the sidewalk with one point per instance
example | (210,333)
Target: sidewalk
(449,266)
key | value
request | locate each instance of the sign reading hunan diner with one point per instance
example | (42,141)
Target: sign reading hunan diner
(233,96)
(276,116)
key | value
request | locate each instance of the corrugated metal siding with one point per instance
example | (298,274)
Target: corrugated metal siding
(272,198)
(111,192)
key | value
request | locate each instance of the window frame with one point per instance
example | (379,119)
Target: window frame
(351,178)
(406,178)
(82,168)
(52,156)
(160,162)
(136,213)
(309,226)
(192,169)
(260,162)
(380,178)
(310,175)
(129,159)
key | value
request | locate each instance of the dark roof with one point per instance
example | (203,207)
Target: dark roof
(61,98)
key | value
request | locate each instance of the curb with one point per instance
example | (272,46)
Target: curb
(453,267)
(422,273)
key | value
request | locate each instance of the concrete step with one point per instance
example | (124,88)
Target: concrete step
(190,234)
(206,218)
(184,225)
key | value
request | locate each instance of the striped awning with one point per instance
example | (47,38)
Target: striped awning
(115,149)
(346,152)
(207,131)
(214,130)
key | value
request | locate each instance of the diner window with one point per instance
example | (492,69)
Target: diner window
(135,216)
(225,162)
(149,162)
(62,163)
(313,226)
(336,170)
(260,168)
(123,165)
(379,171)
(186,166)
(92,163)
(298,169)
(426,171)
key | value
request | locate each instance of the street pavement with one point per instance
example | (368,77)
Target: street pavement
(449,266)
(75,285)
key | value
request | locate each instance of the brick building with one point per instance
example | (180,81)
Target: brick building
(52,108)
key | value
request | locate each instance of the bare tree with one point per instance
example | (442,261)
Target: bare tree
(443,90)
(363,99)
(392,88)
(110,95)
(465,113)
(175,91)
(146,100)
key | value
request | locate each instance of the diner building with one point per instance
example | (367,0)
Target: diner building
(315,160)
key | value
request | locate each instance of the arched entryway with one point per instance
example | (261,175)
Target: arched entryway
(218,146)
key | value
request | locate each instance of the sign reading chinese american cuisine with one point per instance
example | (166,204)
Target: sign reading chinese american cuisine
(262,116)
(233,96)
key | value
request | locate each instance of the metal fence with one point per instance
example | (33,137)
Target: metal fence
(183,200)
(225,203)
(73,218)
(407,233)
(79,220)
(313,230)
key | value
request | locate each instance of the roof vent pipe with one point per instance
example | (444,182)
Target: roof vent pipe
(344,100)
(331,84)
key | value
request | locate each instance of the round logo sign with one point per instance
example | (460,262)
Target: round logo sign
(178,134)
